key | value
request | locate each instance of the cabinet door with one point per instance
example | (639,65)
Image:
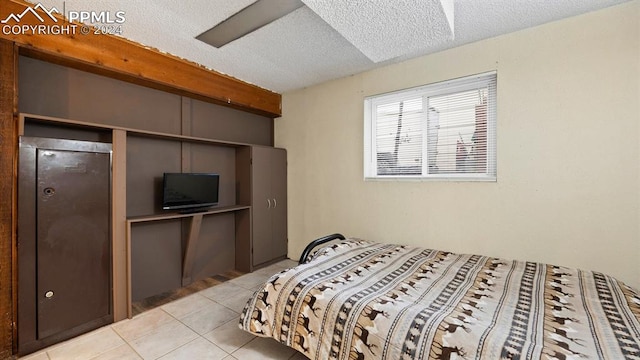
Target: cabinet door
(279,195)
(261,204)
(74,244)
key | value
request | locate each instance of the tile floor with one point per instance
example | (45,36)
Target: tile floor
(203,325)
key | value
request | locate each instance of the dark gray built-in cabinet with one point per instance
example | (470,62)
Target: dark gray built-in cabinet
(268,198)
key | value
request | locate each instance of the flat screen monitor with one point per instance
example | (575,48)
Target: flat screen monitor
(190,191)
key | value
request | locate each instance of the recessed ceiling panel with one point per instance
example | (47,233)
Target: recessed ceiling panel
(383,29)
(299,47)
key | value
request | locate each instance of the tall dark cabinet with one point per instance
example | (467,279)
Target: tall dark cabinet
(268,183)
(64,240)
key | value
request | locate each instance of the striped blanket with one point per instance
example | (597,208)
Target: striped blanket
(364,300)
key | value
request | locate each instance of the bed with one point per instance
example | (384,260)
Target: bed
(358,299)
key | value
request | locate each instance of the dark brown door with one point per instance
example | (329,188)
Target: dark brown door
(73,240)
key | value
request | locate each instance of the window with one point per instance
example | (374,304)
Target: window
(445,130)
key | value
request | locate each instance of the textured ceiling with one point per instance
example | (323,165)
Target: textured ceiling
(326,39)
(383,29)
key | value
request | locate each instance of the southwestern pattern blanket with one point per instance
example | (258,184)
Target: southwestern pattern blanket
(365,300)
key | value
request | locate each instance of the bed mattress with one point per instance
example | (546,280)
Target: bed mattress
(365,300)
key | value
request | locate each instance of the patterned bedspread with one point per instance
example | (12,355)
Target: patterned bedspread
(364,300)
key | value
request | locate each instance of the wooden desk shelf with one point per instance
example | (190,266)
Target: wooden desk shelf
(169,216)
(243,237)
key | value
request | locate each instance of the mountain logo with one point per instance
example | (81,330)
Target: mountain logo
(32,10)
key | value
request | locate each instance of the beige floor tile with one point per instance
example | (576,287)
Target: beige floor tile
(230,357)
(142,324)
(187,305)
(229,337)
(197,349)
(122,352)
(264,274)
(263,348)
(249,281)
(222,291)
(271,269)
(208,318)
(237,301)
(87,346)
(162,340)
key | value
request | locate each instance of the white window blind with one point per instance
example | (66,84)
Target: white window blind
(445,130)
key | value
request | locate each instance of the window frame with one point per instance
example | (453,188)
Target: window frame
(452,86)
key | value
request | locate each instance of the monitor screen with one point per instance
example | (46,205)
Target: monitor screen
(190,190)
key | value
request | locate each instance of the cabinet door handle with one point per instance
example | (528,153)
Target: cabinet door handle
(268,203)
(275,203)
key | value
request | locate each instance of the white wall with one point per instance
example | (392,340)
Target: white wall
(568,189)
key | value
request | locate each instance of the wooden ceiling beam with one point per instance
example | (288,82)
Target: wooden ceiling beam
(126,60)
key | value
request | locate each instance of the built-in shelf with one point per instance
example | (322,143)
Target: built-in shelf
(243,233)
(175,215)
(154,134)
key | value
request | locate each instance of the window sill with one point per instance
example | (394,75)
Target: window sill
(456,178)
